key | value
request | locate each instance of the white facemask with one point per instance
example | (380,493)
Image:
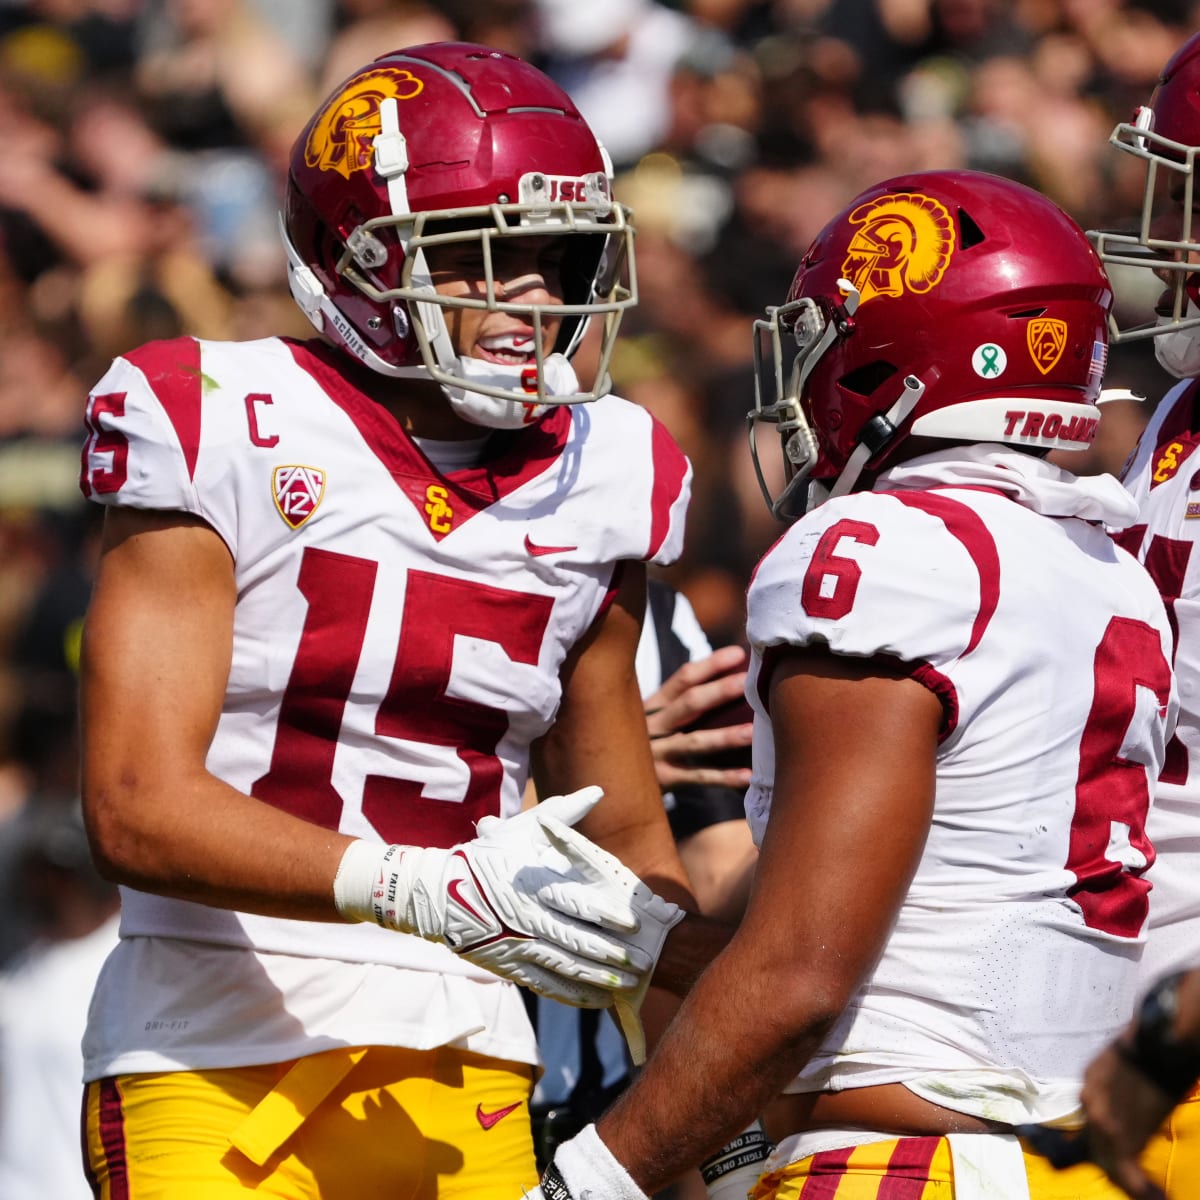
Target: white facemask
(494,412)
(1178,353)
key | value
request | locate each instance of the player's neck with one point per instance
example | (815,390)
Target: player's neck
(420,406)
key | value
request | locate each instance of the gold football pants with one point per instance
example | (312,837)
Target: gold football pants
(342,1125)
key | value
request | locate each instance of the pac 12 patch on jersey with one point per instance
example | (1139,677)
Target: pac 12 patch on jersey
(297,491)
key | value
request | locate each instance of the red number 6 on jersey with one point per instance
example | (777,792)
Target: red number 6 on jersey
(833,600)
(1109,850)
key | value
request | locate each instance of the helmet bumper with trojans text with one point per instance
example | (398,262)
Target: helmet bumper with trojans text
(454,145)
(949,305)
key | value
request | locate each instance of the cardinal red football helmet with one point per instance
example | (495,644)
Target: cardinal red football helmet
(946,304)
(453,142)
(1166,136)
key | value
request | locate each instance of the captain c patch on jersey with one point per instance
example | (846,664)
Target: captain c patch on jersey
(297,491)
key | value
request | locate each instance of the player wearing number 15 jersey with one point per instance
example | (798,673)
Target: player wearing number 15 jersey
(962,698)
(352,593)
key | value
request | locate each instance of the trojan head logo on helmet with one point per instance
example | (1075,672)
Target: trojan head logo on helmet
(953,305)
(342,137)
(446,145)
(903,243)
(1165,135)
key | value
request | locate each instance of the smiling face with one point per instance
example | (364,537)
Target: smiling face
(526,271)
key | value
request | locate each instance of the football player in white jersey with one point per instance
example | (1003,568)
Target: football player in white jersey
(962,696)
(352,592)
(1162,476)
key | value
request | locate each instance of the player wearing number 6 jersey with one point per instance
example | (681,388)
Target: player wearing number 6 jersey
(962,698)
(352,591)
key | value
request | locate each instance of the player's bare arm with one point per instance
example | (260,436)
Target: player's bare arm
(806,946)
(156,656)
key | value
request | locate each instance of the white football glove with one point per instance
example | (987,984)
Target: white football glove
(529,899)
(655,919)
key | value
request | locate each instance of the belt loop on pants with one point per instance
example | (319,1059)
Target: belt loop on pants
(291,1101)
(988,1166)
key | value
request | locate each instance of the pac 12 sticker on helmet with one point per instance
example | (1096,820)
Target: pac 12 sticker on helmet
(905,244)
(989,361)
(297,491)
(342,136)
(1046,338)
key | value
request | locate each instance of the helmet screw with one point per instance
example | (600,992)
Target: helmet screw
(374,322)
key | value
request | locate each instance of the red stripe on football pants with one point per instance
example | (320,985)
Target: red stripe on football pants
(908,1169)
(825,1174)
(112,1140)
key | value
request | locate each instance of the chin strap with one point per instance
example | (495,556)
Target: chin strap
(876,434)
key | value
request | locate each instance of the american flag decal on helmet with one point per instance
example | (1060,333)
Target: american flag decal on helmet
(297,491)
(1099,361)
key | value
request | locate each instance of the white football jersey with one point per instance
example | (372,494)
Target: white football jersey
(990,575)
(1163,476)
(398,632)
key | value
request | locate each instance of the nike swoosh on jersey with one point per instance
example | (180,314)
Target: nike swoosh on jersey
(537,551)
(488,1119)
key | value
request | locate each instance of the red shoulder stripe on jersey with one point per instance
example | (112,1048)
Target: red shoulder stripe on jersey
(172,369)
(931,678)
(968,527)
(670,470)
(908,1169)
(112,1139)
(825,1173)
(924,674)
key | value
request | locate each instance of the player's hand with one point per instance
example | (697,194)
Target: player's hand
(1123,1110)
(694,723)
(655,917)
(530,899)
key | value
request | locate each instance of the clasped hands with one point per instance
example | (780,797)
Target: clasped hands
(530,899)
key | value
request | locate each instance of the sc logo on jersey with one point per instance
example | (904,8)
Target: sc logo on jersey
(297,491)
(437,509)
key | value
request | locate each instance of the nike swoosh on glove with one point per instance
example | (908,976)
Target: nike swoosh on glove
(525,905)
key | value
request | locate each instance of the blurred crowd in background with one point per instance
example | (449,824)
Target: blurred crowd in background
(143,150)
